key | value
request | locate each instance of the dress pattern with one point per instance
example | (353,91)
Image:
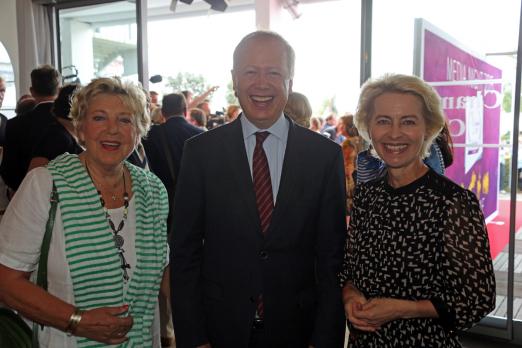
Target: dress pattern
(424,241)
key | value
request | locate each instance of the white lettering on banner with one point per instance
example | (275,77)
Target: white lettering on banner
(459,103)
(455,70)
(459,71)
(457,124)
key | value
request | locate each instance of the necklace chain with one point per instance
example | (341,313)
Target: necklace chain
(118,240)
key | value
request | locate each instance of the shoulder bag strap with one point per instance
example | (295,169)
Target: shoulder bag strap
(41,278)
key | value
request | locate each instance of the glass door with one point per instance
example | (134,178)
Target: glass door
(98,40)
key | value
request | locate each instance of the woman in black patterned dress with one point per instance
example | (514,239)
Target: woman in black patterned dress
(418,267)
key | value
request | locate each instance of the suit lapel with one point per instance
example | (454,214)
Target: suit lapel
(234,146)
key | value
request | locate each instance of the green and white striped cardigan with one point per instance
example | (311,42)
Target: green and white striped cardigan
(90,252)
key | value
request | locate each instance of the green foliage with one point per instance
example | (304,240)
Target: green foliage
(231,96)
(188,81)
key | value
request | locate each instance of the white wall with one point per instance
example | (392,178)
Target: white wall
(9,34)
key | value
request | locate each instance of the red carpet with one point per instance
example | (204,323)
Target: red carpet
(498,228)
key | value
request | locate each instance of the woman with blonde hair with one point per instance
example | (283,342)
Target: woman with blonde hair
(298,109)
(418,267)
(108,251)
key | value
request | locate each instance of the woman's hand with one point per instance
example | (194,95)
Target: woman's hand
(105,325)
(353,301)
(379,311)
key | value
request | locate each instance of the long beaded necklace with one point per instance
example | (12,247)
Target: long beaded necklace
(117,238)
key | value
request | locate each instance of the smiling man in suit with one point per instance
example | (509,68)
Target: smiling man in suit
(259,220)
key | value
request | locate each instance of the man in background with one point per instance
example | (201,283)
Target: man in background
(23,132)
(3,118)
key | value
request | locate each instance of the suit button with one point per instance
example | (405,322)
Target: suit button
(263,254)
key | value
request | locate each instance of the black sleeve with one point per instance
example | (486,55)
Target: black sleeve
(52,143)
(469,289)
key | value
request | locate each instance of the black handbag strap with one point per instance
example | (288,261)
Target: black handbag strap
(41,278)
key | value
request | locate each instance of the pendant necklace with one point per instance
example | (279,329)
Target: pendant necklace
(119,241)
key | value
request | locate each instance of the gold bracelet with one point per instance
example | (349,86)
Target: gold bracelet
(74,320)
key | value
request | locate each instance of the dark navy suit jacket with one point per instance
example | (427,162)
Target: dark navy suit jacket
(177,131)
(221,261)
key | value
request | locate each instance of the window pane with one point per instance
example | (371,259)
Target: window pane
(326,40)
(195,43)
(98,41)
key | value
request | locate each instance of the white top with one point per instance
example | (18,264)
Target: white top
(21,233)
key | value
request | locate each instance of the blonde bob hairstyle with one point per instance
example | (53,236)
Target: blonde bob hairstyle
(396,83)
(298,109)
(131,94)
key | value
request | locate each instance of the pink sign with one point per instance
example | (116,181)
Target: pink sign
(470,90)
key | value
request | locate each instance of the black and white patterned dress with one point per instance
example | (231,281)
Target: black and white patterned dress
(424,241)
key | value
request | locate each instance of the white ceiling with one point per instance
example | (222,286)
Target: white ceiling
(124,11)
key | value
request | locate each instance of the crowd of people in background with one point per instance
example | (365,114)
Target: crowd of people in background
(131,167)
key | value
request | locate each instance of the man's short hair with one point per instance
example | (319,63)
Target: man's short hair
(45,81)
(199,117)
(173,104)
(290,53)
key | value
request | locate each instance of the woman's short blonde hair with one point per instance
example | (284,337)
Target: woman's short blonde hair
(298,109)
(397,83)
(131,94)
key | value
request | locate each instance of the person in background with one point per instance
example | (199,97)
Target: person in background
(153,95)
(157,117)
(232,113)
(108,251)
(25,104)
(316,123)
(24,131)
(4,201)
(194,102)
(60,136)
(197,118)
(329,128)
(298,109)
(248,271)
(164,141)
(3,118)
(205,106)
(417,268)
(351,146)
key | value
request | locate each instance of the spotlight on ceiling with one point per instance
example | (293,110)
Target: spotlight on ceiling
(293,7)
(218,5)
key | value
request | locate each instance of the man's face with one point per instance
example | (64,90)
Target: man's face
(262,80)
(2,91)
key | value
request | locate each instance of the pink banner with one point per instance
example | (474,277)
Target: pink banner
(473,111)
